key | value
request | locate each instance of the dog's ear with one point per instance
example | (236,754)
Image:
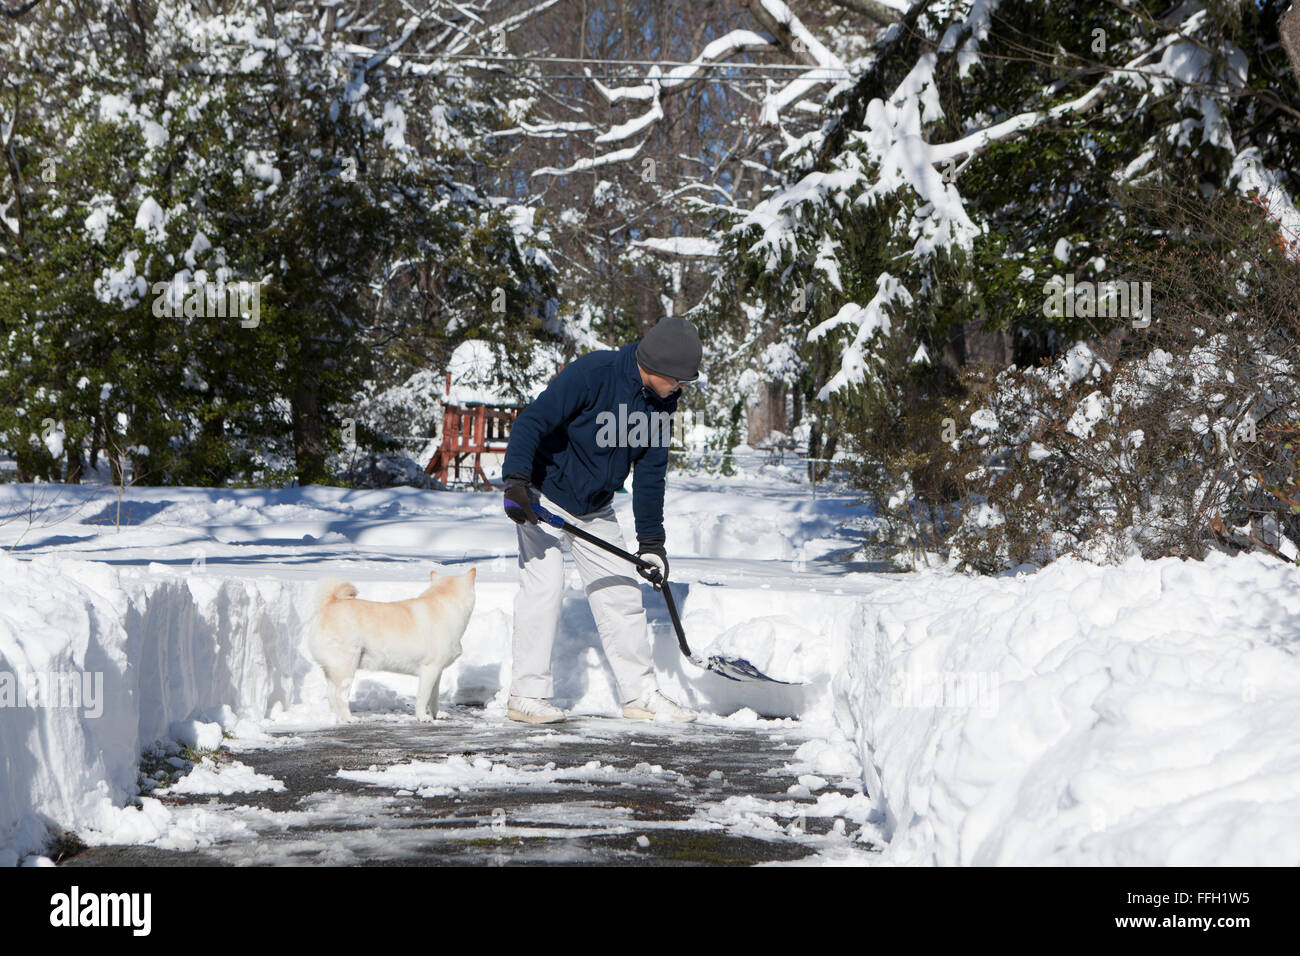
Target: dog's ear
(473,572)
(433,574)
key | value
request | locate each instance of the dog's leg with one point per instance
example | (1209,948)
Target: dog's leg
(339,679)
(332,692)
(345,696)
(426,697)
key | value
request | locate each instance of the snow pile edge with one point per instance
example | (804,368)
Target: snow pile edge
(1083,715)
(104,662)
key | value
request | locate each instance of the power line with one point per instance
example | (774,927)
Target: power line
(609,61)
(766,71)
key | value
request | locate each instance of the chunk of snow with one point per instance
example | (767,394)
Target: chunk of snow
(196,734)
(685,246)
(152,220)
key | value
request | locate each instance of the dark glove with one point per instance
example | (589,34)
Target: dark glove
(652,550)
(519,508)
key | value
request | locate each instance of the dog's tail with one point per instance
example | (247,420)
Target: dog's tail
(334,589)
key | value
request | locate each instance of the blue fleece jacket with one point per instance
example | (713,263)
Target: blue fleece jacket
(589,429)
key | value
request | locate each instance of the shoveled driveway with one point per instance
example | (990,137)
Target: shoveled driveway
(472,790)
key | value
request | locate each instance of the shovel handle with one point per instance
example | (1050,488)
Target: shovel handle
(555,521)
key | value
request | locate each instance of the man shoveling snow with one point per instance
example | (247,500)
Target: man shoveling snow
(571,449)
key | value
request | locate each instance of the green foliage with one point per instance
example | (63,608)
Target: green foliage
(1050,198)
(366,251)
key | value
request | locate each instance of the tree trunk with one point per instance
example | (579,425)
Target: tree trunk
(954,350)
(308,435)
(986,348)
(819,379)
(117,470)
(95,431)
(1288,31)
(818,468)
(767,415)
(214,439)
(73,476)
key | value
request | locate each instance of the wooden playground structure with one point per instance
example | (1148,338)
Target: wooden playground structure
(470,430)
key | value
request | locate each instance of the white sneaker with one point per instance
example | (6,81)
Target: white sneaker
(534,710)
(655,704)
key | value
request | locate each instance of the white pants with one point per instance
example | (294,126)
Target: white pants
(612,589)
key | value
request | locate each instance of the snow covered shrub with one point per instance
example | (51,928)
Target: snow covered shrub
(386,471)
(1038,457)
(895,433)
(386,423)
(1183,445)
(413,406)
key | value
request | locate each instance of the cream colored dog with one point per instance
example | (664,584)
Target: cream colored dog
(419,636)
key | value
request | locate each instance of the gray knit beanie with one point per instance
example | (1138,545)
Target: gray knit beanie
(671,348)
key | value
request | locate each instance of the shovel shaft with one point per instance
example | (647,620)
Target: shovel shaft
(677,622)
(555,521)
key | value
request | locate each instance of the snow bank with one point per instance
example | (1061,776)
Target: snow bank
(97,664)
(1142,714)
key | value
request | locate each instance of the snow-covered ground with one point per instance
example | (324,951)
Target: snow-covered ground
(1140,714)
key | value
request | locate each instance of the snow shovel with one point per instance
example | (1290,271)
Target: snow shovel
(732,668)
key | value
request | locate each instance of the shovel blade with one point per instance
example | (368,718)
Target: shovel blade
(737,668)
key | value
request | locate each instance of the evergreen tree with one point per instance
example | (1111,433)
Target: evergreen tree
(243,211)
(986,150)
